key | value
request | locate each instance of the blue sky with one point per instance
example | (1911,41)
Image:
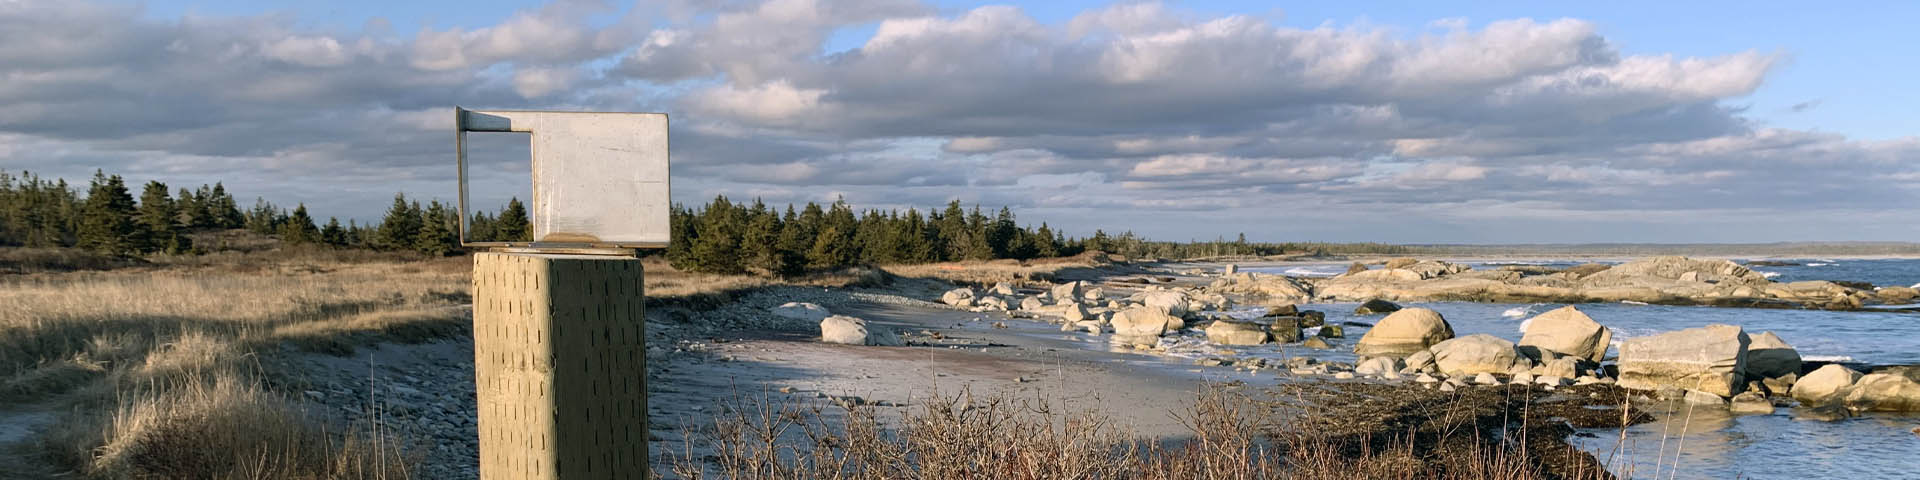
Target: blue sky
(1386,121)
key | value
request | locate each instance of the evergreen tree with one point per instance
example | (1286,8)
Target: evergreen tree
(482,228)
(36,212)
(511,225)
(916,240)
(185,206)
(263,218)
(106,219)
(333,234)
(159,220)
(1044,244)
(436,235)
(1098,242)
(682,233)
(225,209)
(760,242)
(834,246)
(955,240)
(298,227)
(401,227)
(717,248)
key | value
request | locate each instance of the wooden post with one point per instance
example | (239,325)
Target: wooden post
(560,366)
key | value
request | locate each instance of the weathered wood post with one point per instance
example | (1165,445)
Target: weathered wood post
(559,344)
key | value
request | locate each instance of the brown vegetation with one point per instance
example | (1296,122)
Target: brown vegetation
(1470,435)
(156,365)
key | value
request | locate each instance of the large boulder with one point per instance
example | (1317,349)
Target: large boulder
(1770,357)
(1276,287)
(1474,354)
(1434,268)
(1173,302)
(959,297)
(1143,321)
(854,331)
(1074,312)
(1284,329)
(1375,306)
(1711,359)
(1032,303)
(1389,275)
(1403,333)
(1566,331)
(1826,384)
(802,311)
(1227,332)
(1679,269)
(1003,289)
(1067,292)
(992,303)
(1881,392)
(1896,295)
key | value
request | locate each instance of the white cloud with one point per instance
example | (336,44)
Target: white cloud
(1134,115)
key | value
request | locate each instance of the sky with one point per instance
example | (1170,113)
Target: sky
(1415,122)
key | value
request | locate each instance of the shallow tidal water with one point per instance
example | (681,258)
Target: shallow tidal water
(1700,443)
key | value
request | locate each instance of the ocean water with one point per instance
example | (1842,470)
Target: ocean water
(1701,443)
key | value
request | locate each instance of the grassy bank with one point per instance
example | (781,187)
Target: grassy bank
(153,366)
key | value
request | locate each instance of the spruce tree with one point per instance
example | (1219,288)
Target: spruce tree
(717,249)
(955,241)
(401,227)
(333,234)
(106,219)
(263,218)
(835,245)
(436,237)
(185,206)
(481,228)
(224,208)
(681,233)
(511,225)
(298,227)
(760,242)
(160,221)
(916,242)
(1044,245)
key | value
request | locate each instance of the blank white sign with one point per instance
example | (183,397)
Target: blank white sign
(599,178)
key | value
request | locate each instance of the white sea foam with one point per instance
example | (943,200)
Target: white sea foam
(1308,272)
(1769,274)
(1826,358)
(1631,302)
(1917,285)
(1818,264)
(1515,312)
(1523,325)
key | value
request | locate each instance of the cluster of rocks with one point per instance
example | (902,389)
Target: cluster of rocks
(1664,280)
(1138,319)
(1718,365)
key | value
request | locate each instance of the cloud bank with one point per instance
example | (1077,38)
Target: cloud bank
(1132,116)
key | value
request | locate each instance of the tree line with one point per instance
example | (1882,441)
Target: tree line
(719,237)
(728,237)
(35,212)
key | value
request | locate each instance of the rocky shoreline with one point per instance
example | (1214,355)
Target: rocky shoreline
(1717,365)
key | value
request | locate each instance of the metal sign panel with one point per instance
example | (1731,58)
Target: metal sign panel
(600,179)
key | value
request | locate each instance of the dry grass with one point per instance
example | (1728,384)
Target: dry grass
(996,271)
(964,437)
(665,284)
(158,368)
